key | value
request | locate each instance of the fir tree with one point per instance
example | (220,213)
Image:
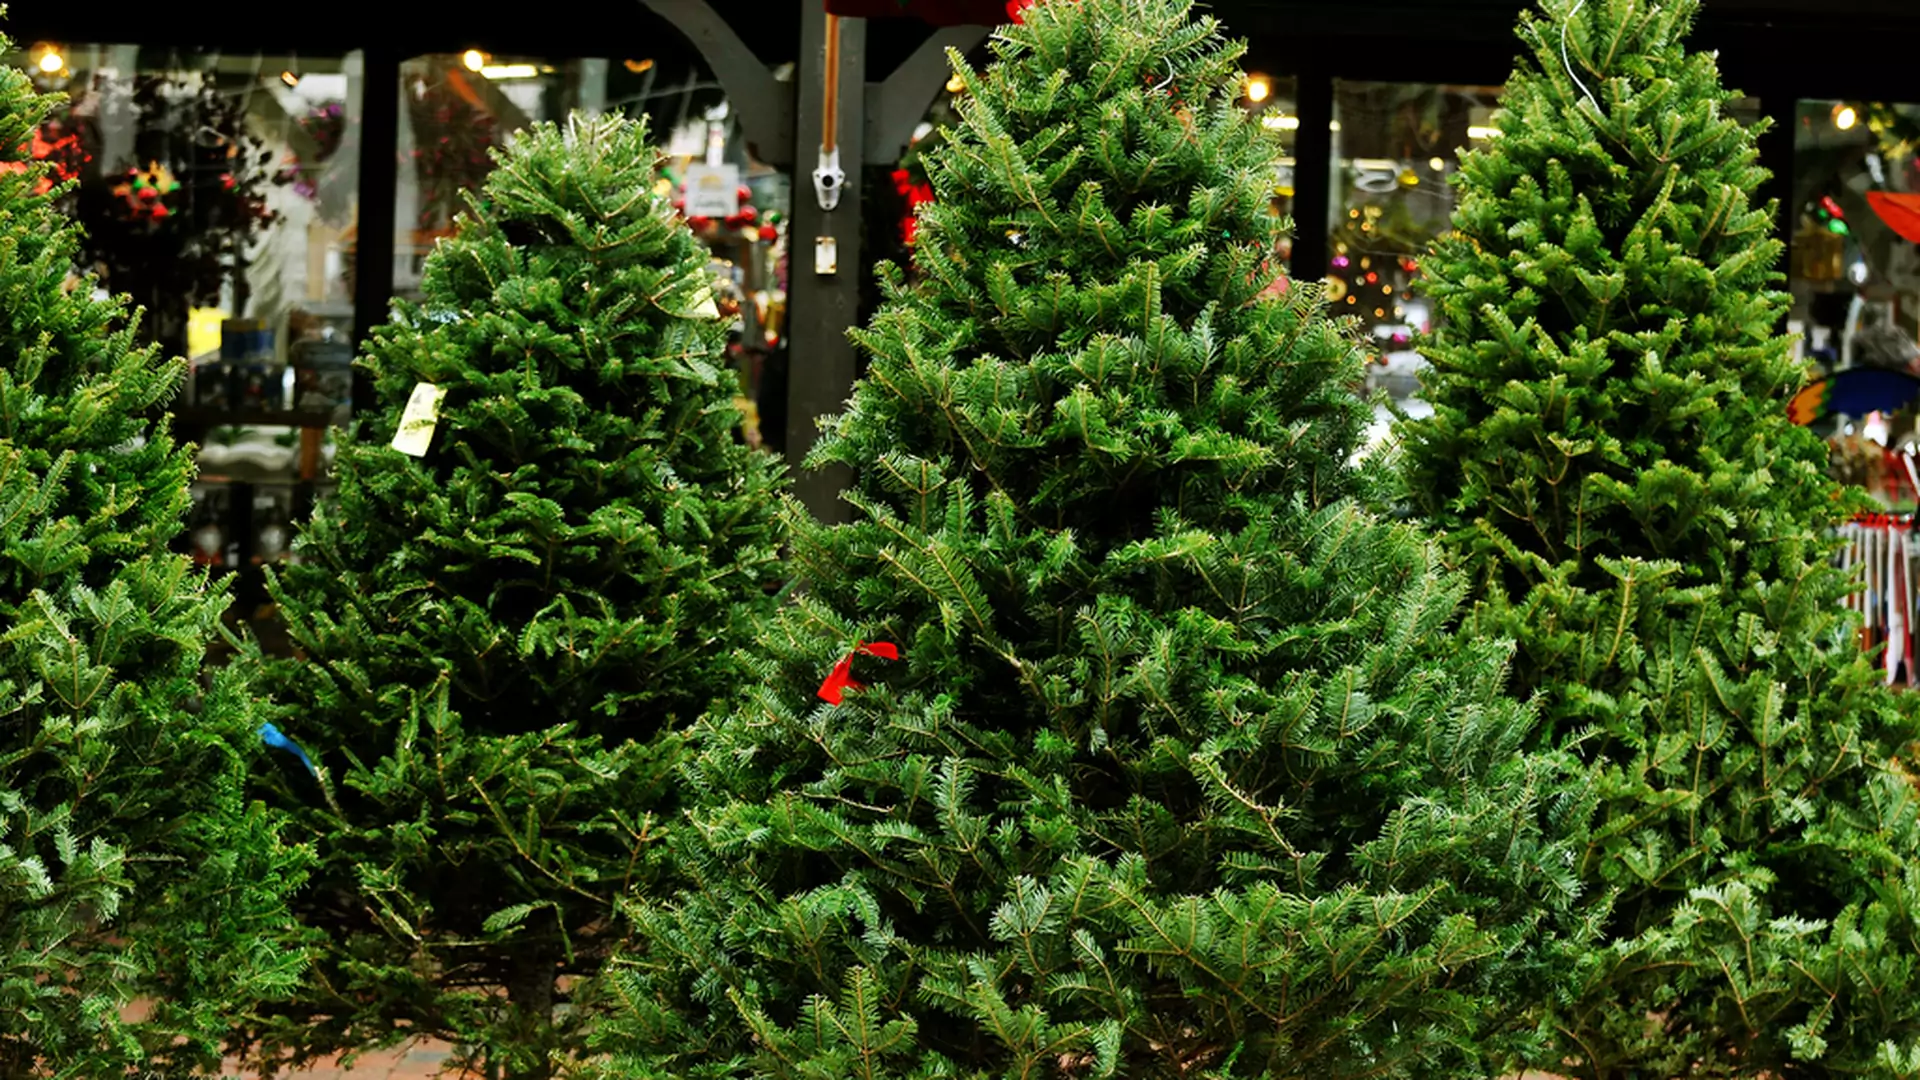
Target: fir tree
(1611,457)
(1165,762)
(142,897)
(502,634)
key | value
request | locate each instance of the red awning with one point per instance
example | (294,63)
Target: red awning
(1900,212)
(937,12)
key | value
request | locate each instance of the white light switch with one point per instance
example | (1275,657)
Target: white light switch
(826,255)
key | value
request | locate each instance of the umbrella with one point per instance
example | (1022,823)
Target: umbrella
(1900,212)
(1854,392)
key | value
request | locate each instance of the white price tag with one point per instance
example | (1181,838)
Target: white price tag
(713,191)
(417,422)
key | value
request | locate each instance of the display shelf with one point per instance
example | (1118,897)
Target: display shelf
(193,417)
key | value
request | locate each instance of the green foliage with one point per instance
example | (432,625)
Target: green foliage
(1611,457)
(1181,772)
(132,867)
(502,637)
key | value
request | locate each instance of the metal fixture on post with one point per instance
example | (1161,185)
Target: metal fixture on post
(828,178)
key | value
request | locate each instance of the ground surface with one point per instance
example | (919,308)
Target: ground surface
(414,1063)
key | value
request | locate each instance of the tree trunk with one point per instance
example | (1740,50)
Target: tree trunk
(530,991)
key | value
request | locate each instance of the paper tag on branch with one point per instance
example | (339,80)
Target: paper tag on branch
(417,422)
(703,306)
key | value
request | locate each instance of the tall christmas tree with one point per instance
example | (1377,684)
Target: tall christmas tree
(142,898)
(1146,750)
(1611,456)
(525,588)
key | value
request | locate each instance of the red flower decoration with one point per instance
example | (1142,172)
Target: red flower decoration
(1015,7)
(840,679)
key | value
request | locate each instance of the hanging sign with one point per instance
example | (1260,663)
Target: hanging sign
(713,191)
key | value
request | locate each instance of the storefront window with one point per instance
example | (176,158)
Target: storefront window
(1396,146)
(218,191)
(456,107)
(1277,109)
(1856,286)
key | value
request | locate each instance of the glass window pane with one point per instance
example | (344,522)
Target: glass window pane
(1279,114)
(1396,146)
(1855,276)
(219,191)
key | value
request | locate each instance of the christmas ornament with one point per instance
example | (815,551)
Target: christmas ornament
(145,191)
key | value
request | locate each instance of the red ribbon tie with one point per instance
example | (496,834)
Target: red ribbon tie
(841,680)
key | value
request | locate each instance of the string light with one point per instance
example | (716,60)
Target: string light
(1259,88)
(290,78)
(474,59)
(49,59)
(1844,116)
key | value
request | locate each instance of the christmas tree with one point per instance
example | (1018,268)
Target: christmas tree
(1146,751)
(142,897)
(1611,457)
(530,580)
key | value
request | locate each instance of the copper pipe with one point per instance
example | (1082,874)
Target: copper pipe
(830,121)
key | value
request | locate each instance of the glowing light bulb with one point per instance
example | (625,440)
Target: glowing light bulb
(474,59)
(1844,117)
(1438,164)
(1259,88)
(290,78)
(51,62)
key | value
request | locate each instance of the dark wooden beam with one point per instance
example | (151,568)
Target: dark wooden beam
(763,105)
(821,360)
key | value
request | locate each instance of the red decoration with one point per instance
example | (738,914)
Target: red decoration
(1900,212)
(769,233)
(1015,7)
(743,192)
(840,679)
(62,152)
(916,195)
(747,213)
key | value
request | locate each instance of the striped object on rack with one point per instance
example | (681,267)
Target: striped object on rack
(1880,550)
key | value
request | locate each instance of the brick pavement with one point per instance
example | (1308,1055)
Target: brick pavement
(420,1061)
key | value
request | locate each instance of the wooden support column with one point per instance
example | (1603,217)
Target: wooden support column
(763,104)
(784,121)
(379,182)
(1312,171)
(822,306)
